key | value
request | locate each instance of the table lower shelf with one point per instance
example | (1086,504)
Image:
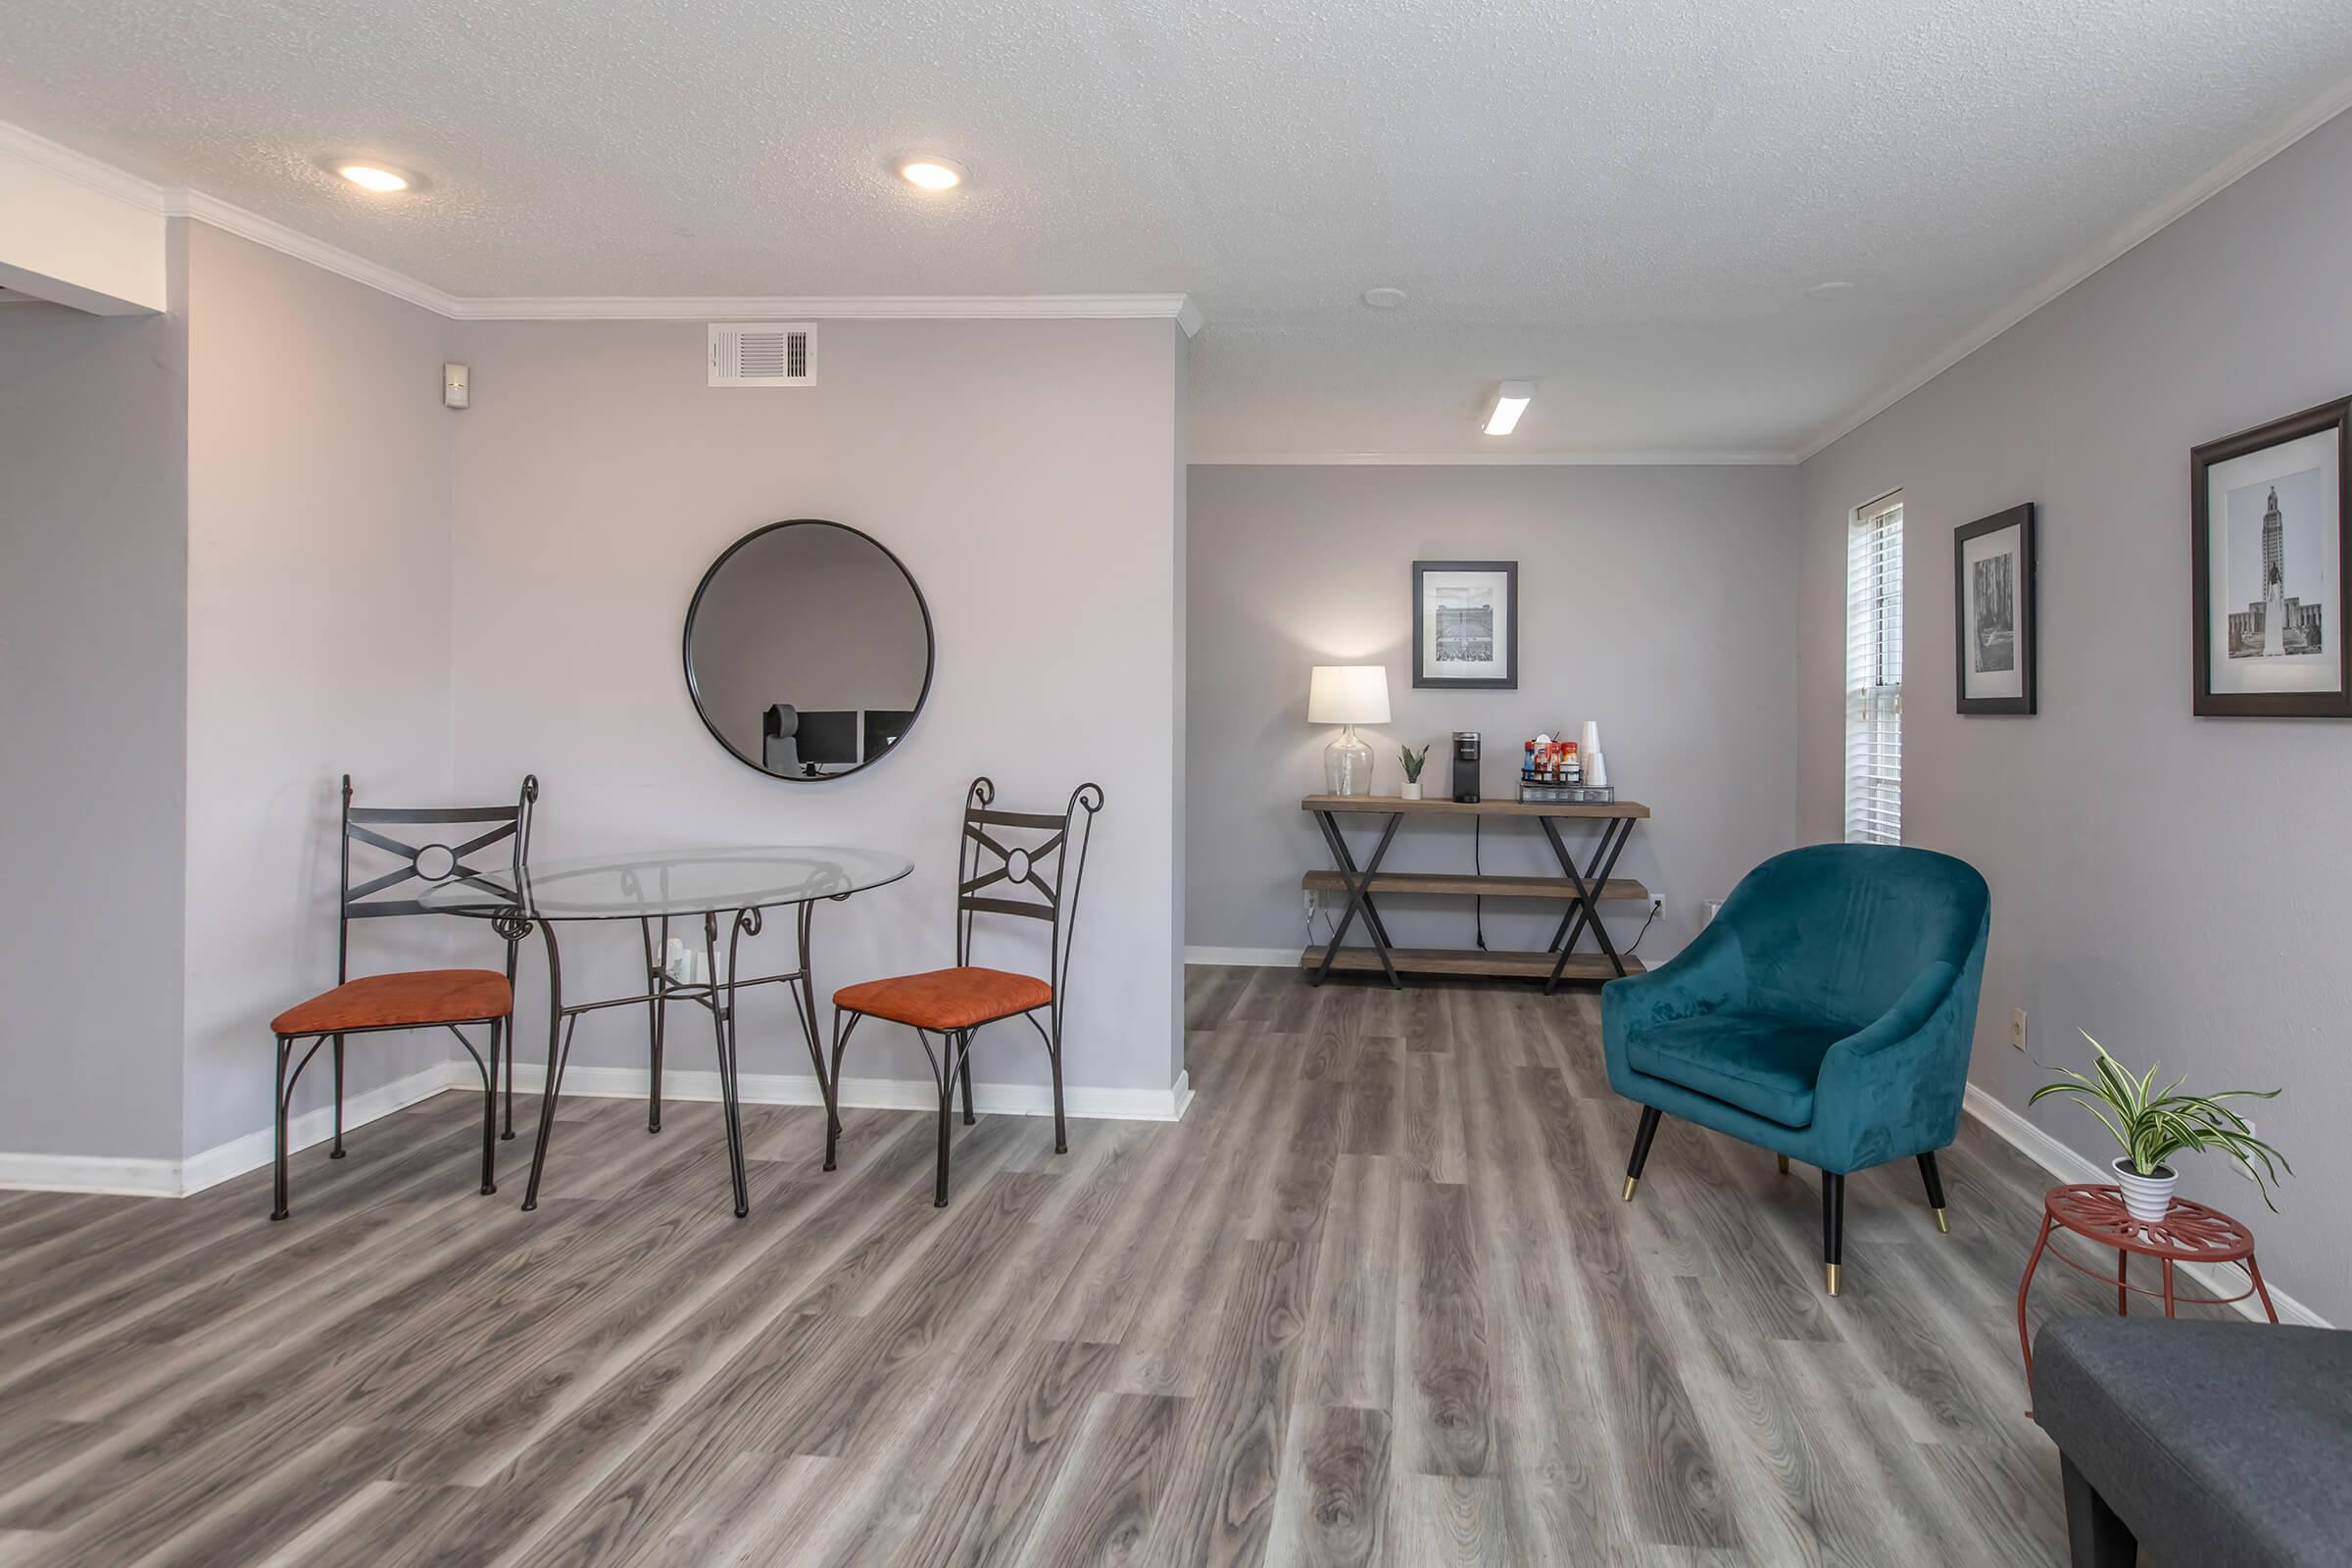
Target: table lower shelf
(1616,889)
(1469,962)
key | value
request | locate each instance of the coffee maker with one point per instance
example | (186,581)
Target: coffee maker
(1465,766)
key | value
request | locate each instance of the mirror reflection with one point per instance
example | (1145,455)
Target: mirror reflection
(808,650)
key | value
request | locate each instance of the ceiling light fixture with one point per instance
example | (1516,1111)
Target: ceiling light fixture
(1384,299)
(1511,401)
(1836,288)
(925,171)
(375,177)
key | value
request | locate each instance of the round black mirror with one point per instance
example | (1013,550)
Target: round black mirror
(808,650)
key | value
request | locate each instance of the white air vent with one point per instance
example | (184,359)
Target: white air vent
(763,354)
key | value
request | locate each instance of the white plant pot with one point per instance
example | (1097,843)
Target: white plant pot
(1411,791)
(2148,1199)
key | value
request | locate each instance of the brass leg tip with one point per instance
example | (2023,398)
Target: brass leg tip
(1833,1273)
(1943,1222)
(1784,1164)
(1631,1182)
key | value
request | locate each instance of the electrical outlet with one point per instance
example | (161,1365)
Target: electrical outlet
(1310,899)
(2017,1027)
(1657,907)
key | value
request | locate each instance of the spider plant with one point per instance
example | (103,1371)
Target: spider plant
(2154,1124)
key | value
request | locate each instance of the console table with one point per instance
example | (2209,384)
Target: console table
(1583,889)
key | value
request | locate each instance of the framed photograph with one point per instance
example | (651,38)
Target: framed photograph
(2271,545)
(1992,630)
(1466,625)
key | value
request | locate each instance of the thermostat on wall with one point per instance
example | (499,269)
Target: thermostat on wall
(454,391)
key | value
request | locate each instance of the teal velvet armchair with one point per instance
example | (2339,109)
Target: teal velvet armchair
(1825,1013)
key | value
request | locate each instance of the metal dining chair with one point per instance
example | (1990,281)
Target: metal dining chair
(996,874)
(420,999)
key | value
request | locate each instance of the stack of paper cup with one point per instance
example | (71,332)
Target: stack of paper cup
(1590,743)
(1596,770)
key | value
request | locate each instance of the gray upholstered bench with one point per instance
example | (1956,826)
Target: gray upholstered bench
(2208,1442)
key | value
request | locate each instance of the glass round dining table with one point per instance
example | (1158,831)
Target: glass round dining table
(723,887)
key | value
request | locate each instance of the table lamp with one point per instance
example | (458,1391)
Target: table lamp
(1347,695)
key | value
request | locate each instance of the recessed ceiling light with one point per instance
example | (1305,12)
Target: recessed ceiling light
(925,171)
(1511,401)
(1836,288)
(375,177)
(1384,299)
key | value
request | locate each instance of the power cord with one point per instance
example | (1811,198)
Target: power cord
(1644,931)
(1478,902)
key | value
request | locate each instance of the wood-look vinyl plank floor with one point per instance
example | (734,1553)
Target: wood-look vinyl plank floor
(1374,1302)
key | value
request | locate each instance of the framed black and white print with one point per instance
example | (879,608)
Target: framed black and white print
(1993,588)
(2271,544)
(1466,625)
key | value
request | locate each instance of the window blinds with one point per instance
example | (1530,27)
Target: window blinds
(1873,674)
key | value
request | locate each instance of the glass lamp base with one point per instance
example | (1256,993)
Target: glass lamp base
(1347,766)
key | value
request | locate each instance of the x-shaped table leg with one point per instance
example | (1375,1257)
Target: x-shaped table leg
(1359,895)
(1586,909)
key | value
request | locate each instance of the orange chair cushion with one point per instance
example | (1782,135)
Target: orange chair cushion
(946,999)
(402,1001)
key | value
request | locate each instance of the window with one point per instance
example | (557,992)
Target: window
(1873,674)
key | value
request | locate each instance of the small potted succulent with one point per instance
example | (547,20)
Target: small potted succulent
(2154,1125)
(1413,763)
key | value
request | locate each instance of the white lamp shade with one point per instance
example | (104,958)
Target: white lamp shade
(1347,694)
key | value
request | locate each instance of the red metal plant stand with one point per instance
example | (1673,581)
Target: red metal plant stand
(2190,1233)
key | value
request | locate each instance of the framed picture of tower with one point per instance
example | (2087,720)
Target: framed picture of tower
(1466,625)
(2271,539)
(1992,630)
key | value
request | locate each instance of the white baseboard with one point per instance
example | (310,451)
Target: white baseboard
(177,1178)
(868,1093)
(2070,1166)
(91,1173)
(1246,957)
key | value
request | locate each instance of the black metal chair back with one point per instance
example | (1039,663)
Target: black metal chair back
(997,874)
(481,829)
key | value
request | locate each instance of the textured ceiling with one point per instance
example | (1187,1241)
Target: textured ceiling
(1625,198)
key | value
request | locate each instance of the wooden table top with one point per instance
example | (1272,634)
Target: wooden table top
(1391,804)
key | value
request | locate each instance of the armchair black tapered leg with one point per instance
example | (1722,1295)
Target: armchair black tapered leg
(278,1184)
(1833,1224)
(1783,1158)
(336,1153)
(1650,1116)
(1935,1180)
(964,1068)
(2096,1535)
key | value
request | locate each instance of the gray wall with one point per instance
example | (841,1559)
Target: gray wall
(1654,601)
(2173,885)
(93,720)
(1024,473)
(318,644)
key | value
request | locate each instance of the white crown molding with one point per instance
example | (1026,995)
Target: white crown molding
(1177,308)
(1494,460)
(2070,1166)
(79,168)
(181,202)
(267,232)
(2282,134)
